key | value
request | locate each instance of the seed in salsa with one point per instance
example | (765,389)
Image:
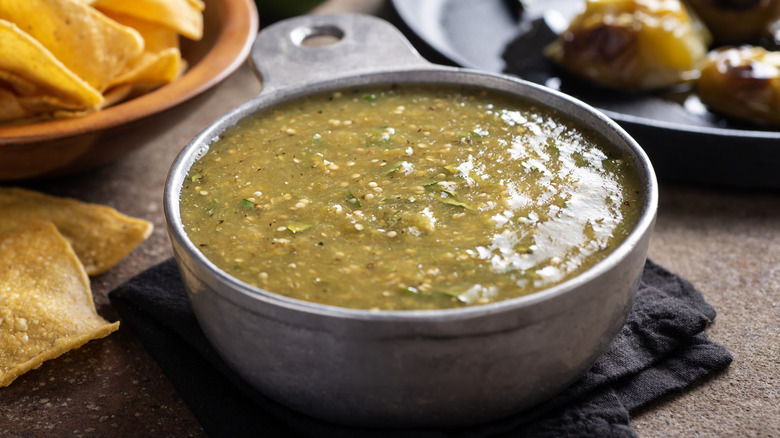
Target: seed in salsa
(408,197)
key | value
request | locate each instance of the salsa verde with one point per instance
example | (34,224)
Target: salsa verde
(408,197)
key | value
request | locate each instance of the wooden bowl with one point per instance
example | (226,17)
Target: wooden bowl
(59,147)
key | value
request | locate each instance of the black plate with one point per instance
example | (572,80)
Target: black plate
(685,142)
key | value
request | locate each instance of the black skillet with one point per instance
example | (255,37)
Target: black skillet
(685,142)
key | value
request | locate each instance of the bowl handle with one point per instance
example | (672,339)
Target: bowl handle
(285,55)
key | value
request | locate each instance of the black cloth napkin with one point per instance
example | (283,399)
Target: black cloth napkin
(661,350)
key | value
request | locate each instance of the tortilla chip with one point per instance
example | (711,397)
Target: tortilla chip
(197,4)
(184,16)
(152,71)
(161,61)
(91,45)
(117,94)
(34,102)
(10,107)
(157,37)
(46,306)
(29,69)
(100,235)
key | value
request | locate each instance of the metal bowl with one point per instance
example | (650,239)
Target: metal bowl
(441,368)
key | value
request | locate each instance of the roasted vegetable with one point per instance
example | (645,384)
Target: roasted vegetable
(737,21)
(632,44)
(742,82)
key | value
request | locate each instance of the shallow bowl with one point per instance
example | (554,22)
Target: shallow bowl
(437,368)
(58,147)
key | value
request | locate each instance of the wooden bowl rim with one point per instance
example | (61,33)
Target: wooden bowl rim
(238,29)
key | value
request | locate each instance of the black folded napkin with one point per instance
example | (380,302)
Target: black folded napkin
(662,349)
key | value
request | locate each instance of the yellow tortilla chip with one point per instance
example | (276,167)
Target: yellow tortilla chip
(152,70)
(46,107)
(10,107)
(157,37)
(100,235)
(91,45)
(117,94)
(29,69)
(161,61)
(197,4)
(46,306)
(24,96)
(184,16)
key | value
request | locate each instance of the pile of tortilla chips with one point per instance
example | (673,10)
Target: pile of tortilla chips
(66,58)
(48,247)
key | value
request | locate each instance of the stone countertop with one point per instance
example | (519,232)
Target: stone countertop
(727,242)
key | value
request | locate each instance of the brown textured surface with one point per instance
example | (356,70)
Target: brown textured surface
(726,242)
(111,386)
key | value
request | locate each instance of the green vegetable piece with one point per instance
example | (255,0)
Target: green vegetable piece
(552,148)
(453,294)
(214,204)
(380,136)
(394,218)
(369,97)
(454,202)
(297,227)
(452,169)
(352,200)
(580,159)
(393,168)
(449,192)
(246,204)
(411,290)
(449,292)
(531,275)
(196,177)
(434,185)
(611,165)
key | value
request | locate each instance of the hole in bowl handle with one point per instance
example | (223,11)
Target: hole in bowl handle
(312,48)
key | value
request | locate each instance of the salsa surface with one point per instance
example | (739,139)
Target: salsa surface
(408,197)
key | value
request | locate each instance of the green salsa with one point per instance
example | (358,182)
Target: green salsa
(408,197)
